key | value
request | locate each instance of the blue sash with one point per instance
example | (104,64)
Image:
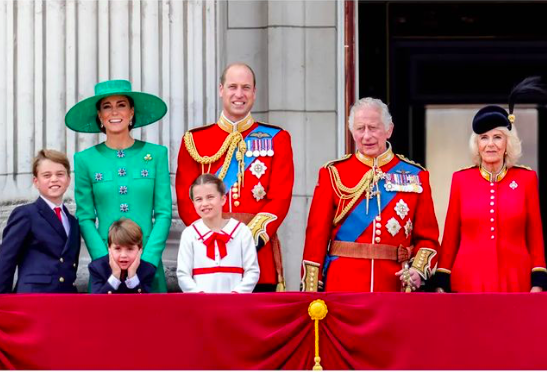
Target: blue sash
(231,174)
(358,220)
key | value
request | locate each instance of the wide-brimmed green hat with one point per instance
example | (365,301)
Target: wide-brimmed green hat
(82,116)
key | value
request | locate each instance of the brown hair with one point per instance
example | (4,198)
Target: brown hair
(223,76)
(205,179)
(125,232)
(51,155)
(98,106)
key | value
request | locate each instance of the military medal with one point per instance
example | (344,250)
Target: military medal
(270,147)
(401,208)
(258,168)
(249,152)
(258,192)
(263,151)
(393,226)
(408,228)
(256,153)
(403,182)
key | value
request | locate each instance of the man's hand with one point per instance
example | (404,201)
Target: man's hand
(132,270)
(536,289)
(116,269)
(415,278)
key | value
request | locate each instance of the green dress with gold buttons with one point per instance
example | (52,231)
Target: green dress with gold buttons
(133,183)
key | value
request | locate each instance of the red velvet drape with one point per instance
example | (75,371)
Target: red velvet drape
(273,331)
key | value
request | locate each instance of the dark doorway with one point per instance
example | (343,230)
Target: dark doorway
(413,54)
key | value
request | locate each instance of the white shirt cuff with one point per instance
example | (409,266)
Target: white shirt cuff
(114,282)
(132,282)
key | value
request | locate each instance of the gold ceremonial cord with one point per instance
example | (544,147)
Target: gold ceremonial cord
(343,192)
(233,141)
(317,310)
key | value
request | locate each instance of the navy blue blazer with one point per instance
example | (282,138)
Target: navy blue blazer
(35,242)
(100,271)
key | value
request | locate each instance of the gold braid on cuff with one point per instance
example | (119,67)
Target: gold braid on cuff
(310,279)
(258,226)
(422,262)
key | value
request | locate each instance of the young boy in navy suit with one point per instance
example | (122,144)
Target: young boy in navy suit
(122,271)
(42,239)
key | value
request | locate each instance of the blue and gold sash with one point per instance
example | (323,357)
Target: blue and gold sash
(358,220)
(231,174)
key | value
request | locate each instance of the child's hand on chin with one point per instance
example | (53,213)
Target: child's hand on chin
(116,269)
(132,270)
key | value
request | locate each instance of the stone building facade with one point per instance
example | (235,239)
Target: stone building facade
(53,52)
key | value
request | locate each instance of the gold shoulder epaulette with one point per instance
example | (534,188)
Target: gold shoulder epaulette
(270,125)
(523,167)
(200,128)
(329,163)
(468,167)
(407,160)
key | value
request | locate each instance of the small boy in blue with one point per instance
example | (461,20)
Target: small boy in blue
(42,239)
(122,271)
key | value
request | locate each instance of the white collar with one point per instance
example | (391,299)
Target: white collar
(51,204)
(204,230)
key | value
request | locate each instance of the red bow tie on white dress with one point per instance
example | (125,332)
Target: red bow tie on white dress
(221,238)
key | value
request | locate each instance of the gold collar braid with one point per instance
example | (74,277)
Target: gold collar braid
(378,161)
(233,140)
(241,126)
(491,177)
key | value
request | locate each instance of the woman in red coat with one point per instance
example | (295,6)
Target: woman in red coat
(493,239)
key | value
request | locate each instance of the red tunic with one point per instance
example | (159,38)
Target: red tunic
(277,182)
(493,235)
(358,274)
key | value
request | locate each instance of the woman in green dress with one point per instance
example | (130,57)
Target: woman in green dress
(122,177)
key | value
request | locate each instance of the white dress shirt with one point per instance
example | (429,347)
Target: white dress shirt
(64,217)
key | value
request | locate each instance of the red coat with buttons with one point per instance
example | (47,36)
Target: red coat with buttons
(277,181)
(366,275)
(493,235)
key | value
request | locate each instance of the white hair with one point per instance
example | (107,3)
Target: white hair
(513,150)
(370,102)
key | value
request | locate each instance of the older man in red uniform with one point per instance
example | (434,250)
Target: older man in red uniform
(255,162)
(371,226)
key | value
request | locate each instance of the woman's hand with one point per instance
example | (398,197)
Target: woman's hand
(536,290)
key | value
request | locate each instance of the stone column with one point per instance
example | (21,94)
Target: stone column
(53,52)
(292,46)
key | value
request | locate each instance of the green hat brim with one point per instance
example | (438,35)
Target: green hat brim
(148,109)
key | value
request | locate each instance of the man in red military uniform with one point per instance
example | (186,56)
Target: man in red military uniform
(255,162)
(372,224)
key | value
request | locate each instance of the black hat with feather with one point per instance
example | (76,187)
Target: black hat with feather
(493,116)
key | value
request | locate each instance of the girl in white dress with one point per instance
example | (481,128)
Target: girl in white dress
(216,255)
